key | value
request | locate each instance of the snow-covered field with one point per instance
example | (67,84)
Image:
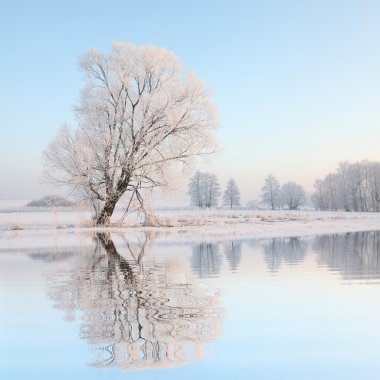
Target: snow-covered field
(205,223)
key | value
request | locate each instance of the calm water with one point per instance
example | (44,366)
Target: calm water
(100,307)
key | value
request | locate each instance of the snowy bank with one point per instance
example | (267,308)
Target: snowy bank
(205,224)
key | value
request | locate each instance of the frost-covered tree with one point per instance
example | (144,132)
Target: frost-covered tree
(352,187)
(213,190)
(197,189)
(292,195)
(319,197)
(141,115)
(50,201)
(342,180)
(231,196)
(270,192)
(204,190)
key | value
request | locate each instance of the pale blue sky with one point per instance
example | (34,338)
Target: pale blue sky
(297,83)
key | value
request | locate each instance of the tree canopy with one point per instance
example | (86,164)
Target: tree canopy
(141,116)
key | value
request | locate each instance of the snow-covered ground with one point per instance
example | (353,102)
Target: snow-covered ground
(196,223)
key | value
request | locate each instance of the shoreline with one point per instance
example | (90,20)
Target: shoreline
(200,225)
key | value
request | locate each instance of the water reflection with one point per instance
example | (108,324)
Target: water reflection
(232,252)
(354,255)
(49,256)
(206,260)
(290,251)
(150,303)
(61,254)
(138,314)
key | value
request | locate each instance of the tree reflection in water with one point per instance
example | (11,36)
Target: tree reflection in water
(356,255)
(206,260)
(232,252)
(290,251)
(138,314)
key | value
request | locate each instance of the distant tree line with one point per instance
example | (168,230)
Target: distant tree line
(290,195)
(352,187)
(51,201)
(205,191)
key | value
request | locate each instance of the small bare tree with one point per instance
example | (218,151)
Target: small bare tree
(204,190)
(270,192)
(197,189)
(293,195)
(141,115)
(213,190)
(231,196)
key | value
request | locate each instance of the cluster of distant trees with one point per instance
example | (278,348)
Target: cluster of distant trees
(205,191)
(352,187)
(290,195)
(51,201)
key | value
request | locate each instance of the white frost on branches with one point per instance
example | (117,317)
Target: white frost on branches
(292,195)
(352,187)
(270,192)
(231,196)
(141,115)
(204,190)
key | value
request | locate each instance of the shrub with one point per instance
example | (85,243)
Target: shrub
(51,201)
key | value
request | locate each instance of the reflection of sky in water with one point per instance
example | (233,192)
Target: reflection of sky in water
(274,308)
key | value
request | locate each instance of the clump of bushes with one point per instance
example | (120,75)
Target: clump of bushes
(16,227)
(51,201)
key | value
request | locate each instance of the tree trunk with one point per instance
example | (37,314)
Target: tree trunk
(112,253)
(106,213)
